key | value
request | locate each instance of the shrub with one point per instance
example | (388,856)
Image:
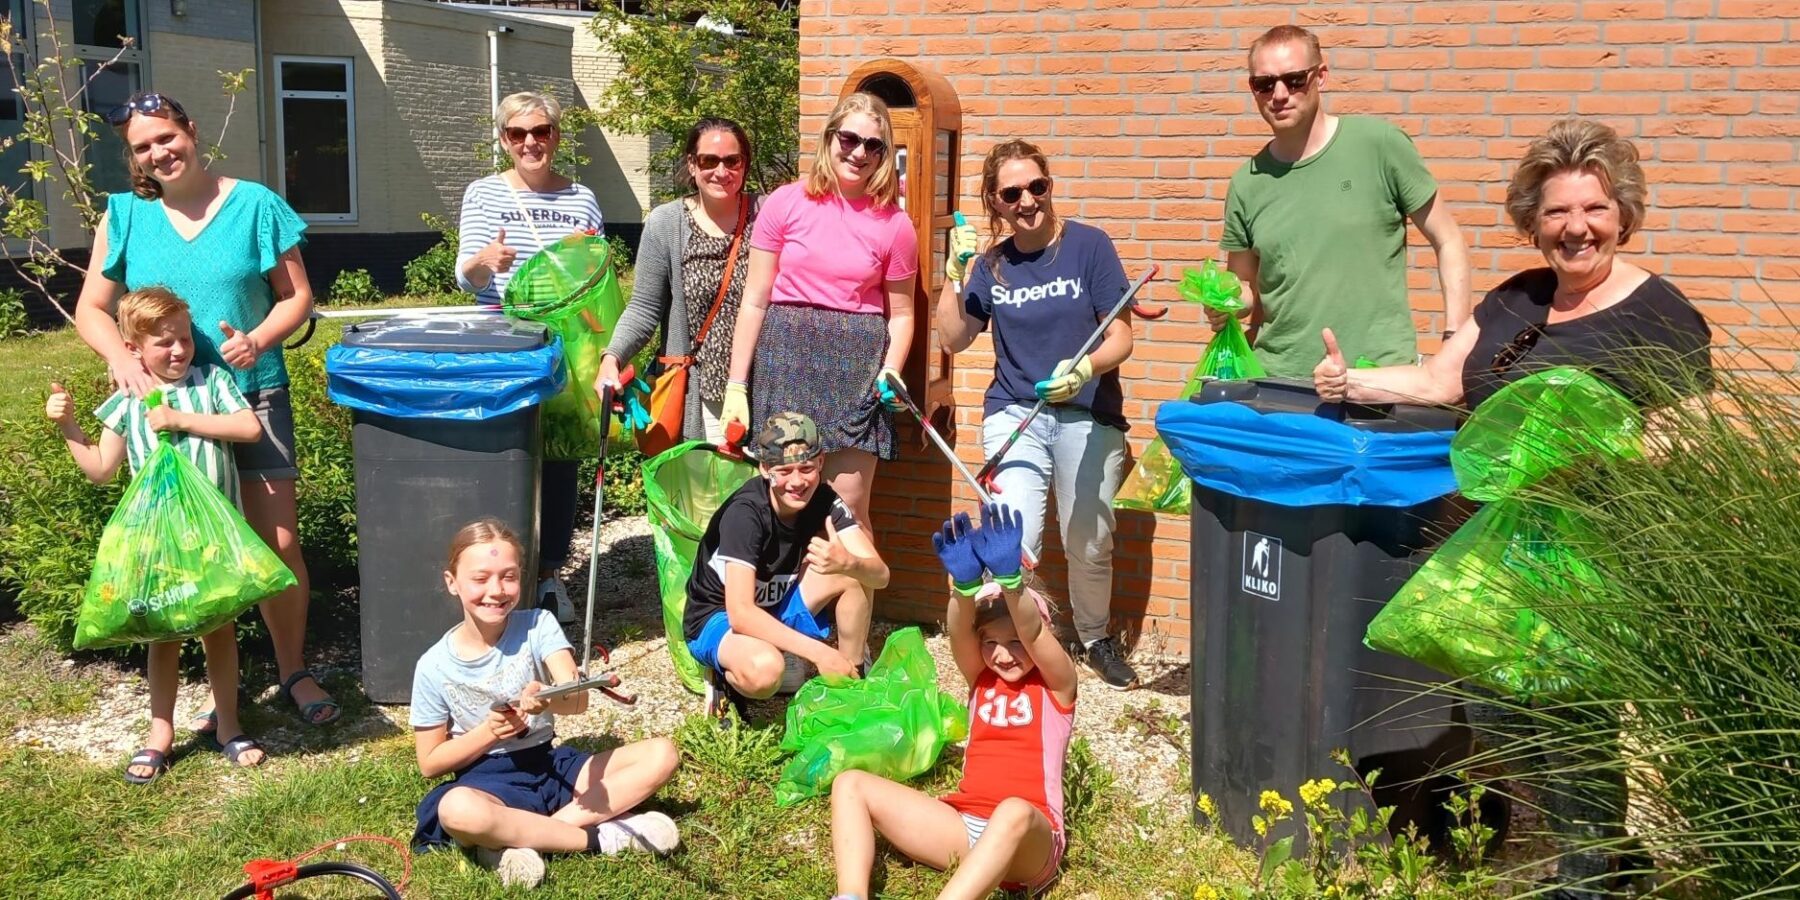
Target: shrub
(51,516)
(434,271)
(326,497)
(354,286)
(13,320)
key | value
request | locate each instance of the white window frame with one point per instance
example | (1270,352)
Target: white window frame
(348,95)
(135,58)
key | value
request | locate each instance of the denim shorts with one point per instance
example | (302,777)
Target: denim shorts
(271,456)
(793,614)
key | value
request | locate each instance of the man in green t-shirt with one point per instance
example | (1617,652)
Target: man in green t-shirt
(1315,223)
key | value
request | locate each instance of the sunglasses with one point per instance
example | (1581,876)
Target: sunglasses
(1295,81)
(847,141)
(1037,186)
(1521,344)
(543,133)
(146,104)
(707,162)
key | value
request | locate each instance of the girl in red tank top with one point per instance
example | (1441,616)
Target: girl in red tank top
(1004,825)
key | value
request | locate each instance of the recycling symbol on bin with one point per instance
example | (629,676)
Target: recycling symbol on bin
(1261,576)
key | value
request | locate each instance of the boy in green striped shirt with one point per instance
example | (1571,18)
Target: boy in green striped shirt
(202,410)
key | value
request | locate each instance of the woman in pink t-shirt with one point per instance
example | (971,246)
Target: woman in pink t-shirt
(828,307)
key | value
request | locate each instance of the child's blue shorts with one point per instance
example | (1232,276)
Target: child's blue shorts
(537,779)
(793,614)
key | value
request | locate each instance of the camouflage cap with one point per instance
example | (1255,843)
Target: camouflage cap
(787,438)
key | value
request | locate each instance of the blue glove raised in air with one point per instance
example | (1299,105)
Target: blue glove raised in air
(956,548)
(999,543)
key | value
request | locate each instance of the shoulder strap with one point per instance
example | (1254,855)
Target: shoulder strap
(731,258)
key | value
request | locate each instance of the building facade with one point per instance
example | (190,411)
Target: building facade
(1142,108)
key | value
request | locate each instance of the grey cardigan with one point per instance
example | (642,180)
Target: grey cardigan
(657,300)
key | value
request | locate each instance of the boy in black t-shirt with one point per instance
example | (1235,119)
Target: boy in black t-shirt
(779,551)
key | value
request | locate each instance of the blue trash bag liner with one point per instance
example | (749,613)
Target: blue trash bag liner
(468,387)
(1294,459)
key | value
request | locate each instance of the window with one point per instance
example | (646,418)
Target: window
(315,133)
(12,112)
(103,28)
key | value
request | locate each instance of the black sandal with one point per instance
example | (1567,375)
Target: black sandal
(310,711)
(157,760)
(240,745)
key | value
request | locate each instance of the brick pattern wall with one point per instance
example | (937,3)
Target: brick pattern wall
(1141,106)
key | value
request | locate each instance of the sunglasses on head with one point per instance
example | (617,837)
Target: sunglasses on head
(847,141)
(516,135)
(1521,344)
(1295,81)
(707,162)
(1037,186)
(149,104)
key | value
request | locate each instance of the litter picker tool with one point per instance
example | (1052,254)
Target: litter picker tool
(981,493)
(1128,301)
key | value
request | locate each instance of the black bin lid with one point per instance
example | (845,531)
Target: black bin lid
(448,333)
(1287,395)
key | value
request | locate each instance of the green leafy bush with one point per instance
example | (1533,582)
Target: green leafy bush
(13,320)
(354,286)
(326,494)
(434,271)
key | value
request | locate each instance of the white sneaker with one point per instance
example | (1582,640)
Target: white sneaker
(553,594)
(650,832)
(516,866)
(794,673)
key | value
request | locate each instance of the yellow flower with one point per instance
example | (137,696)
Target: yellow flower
(1315,793)
(1208,808)
(1262,827)
(1275,806)
(1206,892)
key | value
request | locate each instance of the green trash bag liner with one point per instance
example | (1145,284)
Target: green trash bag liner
(1466,612)
(893,723)
(683,487)
(1540,423)
(571,287)
(176,561)
(1156,483)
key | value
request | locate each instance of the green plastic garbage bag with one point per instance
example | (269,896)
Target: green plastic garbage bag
(1156,483)
(683,487)
(1466,613)
(1540,423)
(570,287)
(894,723)
(176,561)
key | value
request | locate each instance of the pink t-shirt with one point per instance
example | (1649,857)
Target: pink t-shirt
(834,253)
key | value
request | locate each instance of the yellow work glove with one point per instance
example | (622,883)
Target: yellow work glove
(1070,377)
(736,406)
(963,241)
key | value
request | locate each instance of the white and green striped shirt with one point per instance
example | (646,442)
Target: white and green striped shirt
(206,390)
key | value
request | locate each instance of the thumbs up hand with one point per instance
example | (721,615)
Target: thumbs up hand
(1331,377)
(239,350)
(827,555)
(59,408)
(497,257)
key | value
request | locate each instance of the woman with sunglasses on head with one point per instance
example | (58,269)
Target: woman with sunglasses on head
(692,264)
(231,249)
(496,239)
(827,314)
(1577,194)
(1045,288)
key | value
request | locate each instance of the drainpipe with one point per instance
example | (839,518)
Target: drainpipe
(493,37)
(260,82)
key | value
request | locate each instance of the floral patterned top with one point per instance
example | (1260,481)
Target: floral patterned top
(701,268)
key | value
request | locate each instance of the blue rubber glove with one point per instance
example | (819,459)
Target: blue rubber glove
(884,387)
(637,414)
(956,548)
(999,543)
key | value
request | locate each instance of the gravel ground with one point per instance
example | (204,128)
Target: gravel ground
(1141,735)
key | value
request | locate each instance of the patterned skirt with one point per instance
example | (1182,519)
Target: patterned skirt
(823,362)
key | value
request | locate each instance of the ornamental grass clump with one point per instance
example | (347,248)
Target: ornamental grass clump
(1689,693)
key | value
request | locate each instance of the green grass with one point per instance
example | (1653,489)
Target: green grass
(189,834)
(34,683)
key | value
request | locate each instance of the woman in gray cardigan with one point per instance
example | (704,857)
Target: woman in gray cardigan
(680,262)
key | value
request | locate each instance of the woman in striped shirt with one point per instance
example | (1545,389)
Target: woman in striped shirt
(496,238)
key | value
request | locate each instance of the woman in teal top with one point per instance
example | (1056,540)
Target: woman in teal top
(231,249)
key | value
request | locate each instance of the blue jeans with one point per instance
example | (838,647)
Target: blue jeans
(1084,462)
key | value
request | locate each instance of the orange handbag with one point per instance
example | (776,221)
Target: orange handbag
(668,395)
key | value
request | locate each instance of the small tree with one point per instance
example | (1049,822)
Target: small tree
(741,61)
(53,94)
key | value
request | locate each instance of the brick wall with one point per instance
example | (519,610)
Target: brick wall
(1141,106)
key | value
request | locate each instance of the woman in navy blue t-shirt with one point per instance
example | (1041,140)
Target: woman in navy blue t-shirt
(1045,288)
